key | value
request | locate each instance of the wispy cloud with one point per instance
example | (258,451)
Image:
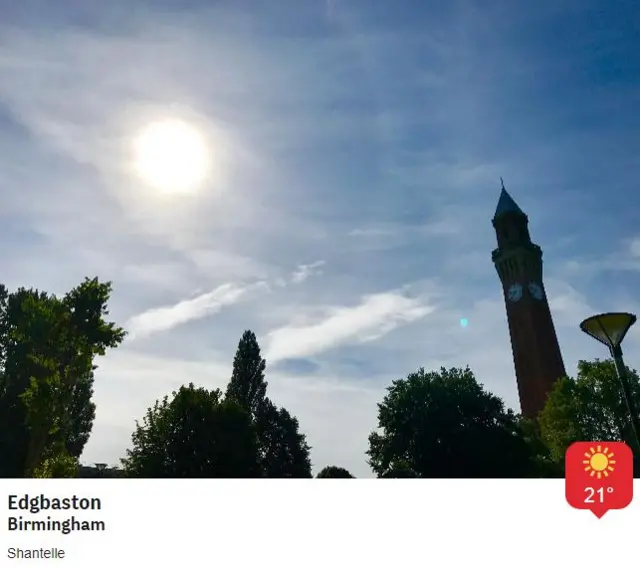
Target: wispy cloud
(207,304)
(569,306)
(375,316)
(444,226)
(303,272)
(624,257)
(383,232)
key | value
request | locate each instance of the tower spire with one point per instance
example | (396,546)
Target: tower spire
(506,203)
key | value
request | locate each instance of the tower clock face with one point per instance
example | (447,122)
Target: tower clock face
(514,293)
(536,290)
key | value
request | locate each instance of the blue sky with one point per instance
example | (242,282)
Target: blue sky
(356,149)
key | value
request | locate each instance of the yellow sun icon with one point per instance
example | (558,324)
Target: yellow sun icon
(599,461)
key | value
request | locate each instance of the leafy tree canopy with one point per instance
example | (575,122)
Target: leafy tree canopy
(544,464)
(333,472)
(399,470)
(590,407)
(47,348)
(195,433)
(283,449)
(444,424)
(57,465)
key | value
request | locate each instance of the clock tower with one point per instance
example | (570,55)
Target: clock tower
(536,353)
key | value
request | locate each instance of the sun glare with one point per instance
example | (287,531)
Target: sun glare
(171,156)
(599,462)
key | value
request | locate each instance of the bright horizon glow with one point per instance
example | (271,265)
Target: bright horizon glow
(171,156)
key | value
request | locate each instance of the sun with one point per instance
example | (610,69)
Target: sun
(599,462)
(171,156)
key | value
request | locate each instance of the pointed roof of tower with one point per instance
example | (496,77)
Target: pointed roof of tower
(506,204)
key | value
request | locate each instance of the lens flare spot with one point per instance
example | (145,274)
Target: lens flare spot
(464,323)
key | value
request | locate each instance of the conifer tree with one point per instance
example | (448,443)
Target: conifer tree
(247,386)
(283,450)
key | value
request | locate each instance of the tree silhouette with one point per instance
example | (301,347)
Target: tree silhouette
(590,407)
(333,472)
(283,449)
(194,434)
(247,386)
(81,416)
(444,424)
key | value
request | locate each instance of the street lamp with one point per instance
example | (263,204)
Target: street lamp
(610,329)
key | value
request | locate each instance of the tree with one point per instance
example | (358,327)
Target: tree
(247,386)
(194,434)
(81,416)
(58,465)
(283,449)
(399,470)
(590,407)
(333,472)
(47,348)
(544,464)
(444,424)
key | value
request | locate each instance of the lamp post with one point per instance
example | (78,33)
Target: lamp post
(610,329)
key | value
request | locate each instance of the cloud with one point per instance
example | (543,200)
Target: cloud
(374,317)
(207,304)
(568,305)
(624,257)
(432,228)
(303,272)
(372,232)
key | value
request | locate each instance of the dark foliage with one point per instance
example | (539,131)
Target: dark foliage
(194,434)
(333,472)
(444,424)
(283,449)
(590,407)
(247,386)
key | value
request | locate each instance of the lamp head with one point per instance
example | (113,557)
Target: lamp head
(608,328)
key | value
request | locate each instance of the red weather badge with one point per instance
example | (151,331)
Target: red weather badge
(599,476)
